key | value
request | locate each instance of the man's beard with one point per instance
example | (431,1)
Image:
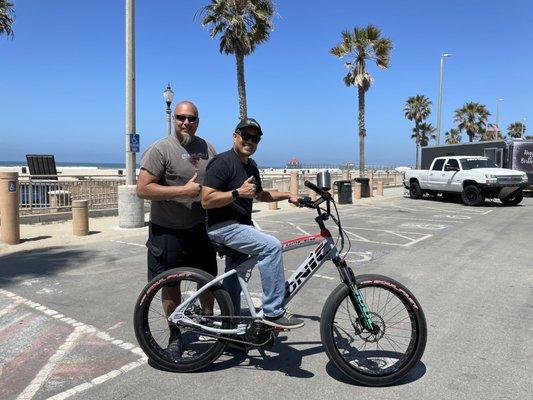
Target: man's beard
(184,138)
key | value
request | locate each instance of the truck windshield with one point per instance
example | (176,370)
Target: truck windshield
(471,163)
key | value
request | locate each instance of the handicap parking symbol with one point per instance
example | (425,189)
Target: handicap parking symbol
(134,143)
(12,186)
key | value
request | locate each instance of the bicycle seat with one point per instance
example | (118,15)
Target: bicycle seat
(223,250)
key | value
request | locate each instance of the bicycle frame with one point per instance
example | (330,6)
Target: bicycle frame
(324,251)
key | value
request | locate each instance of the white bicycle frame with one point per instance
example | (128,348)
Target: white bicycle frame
(326,250)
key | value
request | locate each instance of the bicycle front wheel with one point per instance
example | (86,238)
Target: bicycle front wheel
(374,359)
(175,347)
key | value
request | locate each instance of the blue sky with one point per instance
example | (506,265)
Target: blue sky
(62,76)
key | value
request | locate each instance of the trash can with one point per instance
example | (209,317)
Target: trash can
(365,186)
(344,190)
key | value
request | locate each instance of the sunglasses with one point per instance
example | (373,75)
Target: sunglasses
(182,118)
(249,138)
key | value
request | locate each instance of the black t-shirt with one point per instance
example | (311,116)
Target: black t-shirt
(226,172)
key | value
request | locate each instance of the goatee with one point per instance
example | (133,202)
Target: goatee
(184,138)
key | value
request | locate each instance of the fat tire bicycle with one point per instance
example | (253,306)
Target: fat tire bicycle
(372,327)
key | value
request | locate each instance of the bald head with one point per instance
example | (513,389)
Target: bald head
(185,121)
(185,105)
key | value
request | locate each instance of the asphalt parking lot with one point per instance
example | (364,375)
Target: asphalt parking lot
(66,312)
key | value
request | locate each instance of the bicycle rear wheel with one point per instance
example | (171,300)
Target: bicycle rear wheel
(152,327)
(374,359)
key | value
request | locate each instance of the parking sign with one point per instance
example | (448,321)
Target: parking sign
(134,143)
(11,186)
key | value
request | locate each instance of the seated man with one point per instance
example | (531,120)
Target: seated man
(231,183)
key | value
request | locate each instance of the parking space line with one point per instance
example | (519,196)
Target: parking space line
(408,218)
(418,240)
(43,374)
(80,328)
(257,225)
(297,227)
(455,210)
(128,243)
(402,236)
(362,239)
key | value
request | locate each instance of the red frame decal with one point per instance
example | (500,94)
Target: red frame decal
(305,239)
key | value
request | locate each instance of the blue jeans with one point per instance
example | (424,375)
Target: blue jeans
(267,248)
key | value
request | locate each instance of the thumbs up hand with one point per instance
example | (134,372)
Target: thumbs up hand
(247,190)
(191,188)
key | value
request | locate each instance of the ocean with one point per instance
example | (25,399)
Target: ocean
(69,164)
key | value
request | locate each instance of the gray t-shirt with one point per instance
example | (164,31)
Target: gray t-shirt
(174,165)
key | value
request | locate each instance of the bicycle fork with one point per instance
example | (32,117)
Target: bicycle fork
(348,278)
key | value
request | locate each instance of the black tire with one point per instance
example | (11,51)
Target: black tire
(514,198)
(472,196)
(339,318)
(151,325)
(414,191)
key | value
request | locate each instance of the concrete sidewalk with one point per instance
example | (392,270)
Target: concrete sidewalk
(37,236)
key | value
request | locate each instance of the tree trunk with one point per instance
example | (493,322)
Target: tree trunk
(241,86)
(417,141)
(362,131)
(417,155)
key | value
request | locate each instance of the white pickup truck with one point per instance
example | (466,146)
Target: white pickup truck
(474,178)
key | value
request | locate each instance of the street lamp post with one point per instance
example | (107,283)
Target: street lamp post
(168,95)
(439,107)
(497,119)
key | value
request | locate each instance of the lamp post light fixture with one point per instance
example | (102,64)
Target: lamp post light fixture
(439,107)
(168,95)
(497,119)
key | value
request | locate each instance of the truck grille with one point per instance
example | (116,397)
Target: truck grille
(509,179)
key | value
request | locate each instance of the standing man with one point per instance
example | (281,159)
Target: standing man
(172,170)
(231,183)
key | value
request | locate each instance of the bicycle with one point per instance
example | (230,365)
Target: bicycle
(372,327)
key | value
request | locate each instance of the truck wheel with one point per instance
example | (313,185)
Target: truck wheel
(514,198)
(472,196)
(414,191)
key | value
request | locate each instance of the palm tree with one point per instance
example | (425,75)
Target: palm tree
(422,134)
(242,25)
(359,46)
(516,130)
(7,17)
(453,136)
(417,109)
(472,119)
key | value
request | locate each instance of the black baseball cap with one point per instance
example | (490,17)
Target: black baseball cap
(249,122)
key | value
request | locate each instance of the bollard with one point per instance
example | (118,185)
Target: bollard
(9,208)
(80,217)
(380,188)
(357,190)
(272,205)
(371,183)
(294,183)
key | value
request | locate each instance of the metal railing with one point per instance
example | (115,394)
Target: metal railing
(52,193)
(281,181)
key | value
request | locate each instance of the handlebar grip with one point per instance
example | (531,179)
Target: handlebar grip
(313,187)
